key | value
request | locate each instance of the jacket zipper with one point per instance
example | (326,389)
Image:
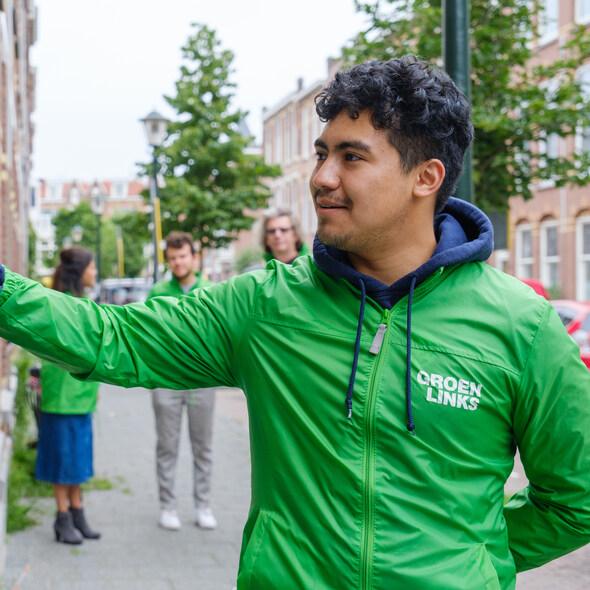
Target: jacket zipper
(369,483)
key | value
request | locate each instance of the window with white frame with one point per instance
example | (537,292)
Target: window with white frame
(549,21)
(119,190)
(583,10)
(278,141)
(549,248)
(54,192)
(268,137)
(548,144)
(287,154)
(294,135)
(501,259)
(583,135)
(305,131)
(583,258)
(524,251)
(75,196)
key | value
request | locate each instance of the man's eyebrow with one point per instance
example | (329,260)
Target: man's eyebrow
(344,145)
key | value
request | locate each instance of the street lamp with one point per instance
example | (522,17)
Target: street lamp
(74,237)
(77,233)
(97,203)
(156,128)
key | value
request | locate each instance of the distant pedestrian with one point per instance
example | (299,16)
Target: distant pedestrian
(281,236)
(65,455)
(169,404)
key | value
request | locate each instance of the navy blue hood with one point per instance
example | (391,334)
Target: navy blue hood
(463,234)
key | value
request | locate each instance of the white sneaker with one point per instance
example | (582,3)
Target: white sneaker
(204,518)
(169,520)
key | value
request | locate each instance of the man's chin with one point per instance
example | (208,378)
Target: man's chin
(333,239)
(183,277)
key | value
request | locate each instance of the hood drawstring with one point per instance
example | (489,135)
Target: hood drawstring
(357,346)
(410,426)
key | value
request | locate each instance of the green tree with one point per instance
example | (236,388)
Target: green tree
(213,183)
(64,220)
(134,237)
(134,230)
(517,104)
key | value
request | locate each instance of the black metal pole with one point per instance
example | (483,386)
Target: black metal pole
(458,65)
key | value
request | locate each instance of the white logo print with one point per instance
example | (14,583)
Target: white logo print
(450,391)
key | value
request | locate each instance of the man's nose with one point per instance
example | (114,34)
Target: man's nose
(326,176)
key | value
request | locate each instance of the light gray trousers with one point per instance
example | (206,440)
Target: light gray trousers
(168,407)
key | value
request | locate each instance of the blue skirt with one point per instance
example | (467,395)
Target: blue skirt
(64,452)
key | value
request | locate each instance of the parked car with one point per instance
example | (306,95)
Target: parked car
(575,316)
(121,291)
(537,287)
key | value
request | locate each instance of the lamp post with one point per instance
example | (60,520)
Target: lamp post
(77,233)
(74,237)
(97,203)
(156,128)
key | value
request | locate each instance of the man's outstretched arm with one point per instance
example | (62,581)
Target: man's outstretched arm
(164,343)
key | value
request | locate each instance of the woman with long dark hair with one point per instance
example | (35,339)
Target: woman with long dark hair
(65,456)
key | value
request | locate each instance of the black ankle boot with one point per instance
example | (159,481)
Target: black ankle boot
(64,529)
(81,524)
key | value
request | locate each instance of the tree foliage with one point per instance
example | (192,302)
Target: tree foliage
(133,233)
(212,182)
(517,102)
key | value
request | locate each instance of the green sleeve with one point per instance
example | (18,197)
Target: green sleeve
(166,342)
(551,517)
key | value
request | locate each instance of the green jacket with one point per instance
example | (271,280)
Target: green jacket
(172,287)
(362,503)
(302,252)
(62,394)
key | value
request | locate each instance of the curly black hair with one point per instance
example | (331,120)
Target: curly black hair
(423,112)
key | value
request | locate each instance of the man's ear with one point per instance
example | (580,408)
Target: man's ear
(430,176)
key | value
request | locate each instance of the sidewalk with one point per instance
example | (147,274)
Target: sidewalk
(135,554)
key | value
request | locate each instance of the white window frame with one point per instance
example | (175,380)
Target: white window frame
(582,14)
(278,141)
(54,193)
(548,145)
(583,76)
(306,140)
(501,258)
(582,261)
(522,262)
(548,35)
(549,260)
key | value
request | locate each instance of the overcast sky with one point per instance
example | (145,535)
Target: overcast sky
(103,65)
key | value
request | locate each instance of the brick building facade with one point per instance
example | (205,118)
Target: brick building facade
(549,235)
(17,98)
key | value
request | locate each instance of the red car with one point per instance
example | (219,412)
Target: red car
(575,316)
(537,287)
